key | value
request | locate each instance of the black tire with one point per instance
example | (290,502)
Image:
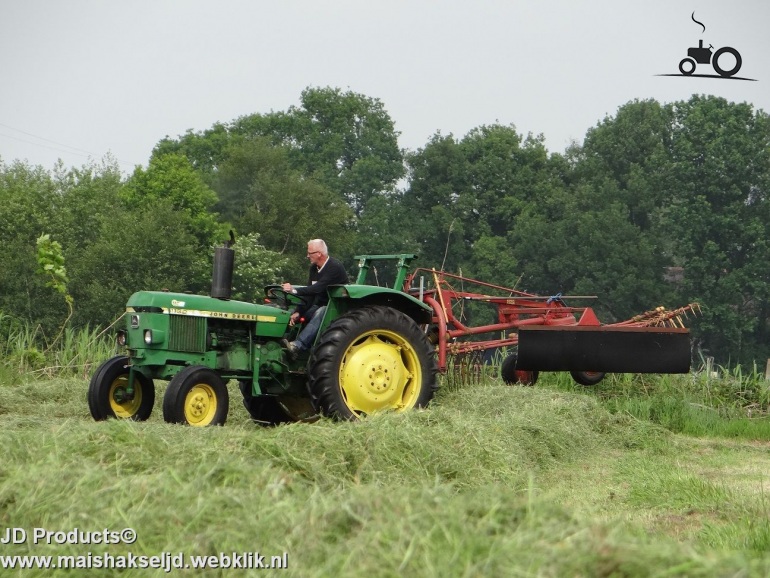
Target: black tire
(689,71)
(196,396)
(513,376)
(726,50)
(372,359)
(587,377)
(108,396)
(263,409)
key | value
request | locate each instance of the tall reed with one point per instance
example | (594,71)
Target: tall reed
(23,350)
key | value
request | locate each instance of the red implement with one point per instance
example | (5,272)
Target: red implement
(549,334)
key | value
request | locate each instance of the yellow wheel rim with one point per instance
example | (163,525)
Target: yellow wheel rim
(200,405)
(380,371)
(120,405)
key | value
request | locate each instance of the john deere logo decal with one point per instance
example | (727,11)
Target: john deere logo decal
(726,61)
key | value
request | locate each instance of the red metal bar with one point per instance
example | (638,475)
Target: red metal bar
(440,322)
(466,280)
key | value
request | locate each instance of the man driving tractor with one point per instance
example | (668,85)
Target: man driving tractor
(324,271)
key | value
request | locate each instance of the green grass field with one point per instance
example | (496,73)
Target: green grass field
(491,480)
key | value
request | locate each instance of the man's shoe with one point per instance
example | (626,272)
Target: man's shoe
(290,347)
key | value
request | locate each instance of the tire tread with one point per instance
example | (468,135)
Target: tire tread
(325,358)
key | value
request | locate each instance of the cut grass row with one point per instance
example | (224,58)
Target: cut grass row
(489,481)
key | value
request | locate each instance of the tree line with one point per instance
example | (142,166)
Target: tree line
(661,204)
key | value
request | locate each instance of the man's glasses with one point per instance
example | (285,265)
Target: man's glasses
(313,253)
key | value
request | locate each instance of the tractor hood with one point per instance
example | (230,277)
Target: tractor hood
(203,306)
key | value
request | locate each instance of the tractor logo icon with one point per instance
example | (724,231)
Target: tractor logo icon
(701,55)
(726,61)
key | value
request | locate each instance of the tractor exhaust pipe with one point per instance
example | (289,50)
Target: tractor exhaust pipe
(606,349)
(222,276)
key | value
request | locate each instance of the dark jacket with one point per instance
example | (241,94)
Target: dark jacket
(332,273)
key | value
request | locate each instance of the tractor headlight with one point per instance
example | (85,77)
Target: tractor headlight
(154,336)
(121,338)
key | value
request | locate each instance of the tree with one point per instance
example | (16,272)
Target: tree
(718,186)
(383,227)
(255,267)
(51,265)
(505,174)
(262,194)
(438,176)
(146,247)
(171,178)
(29,207)
(205,150)
(346,140)
(461,192)
(692,180)
(86,194)
(334,148)
(631,150)
(614,198)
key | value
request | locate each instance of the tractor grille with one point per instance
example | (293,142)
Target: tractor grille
(187,333)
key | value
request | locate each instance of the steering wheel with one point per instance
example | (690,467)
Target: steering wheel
(277,295)
(282,298)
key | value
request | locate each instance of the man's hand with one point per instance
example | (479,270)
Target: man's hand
(286,287)
(294,318)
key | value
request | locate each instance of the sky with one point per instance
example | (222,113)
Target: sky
(86,81)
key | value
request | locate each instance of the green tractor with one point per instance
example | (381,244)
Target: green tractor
(371,354)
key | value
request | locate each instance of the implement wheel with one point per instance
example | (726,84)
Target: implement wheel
(513,376)
(109,394)
(587,377)
(369,360)
(196,396)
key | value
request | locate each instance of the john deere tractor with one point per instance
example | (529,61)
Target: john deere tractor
(371,354)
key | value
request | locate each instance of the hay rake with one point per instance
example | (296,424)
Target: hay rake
(541,333)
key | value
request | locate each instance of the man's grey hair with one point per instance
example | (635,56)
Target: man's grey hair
(320,244)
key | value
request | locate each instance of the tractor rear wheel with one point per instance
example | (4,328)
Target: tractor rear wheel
(369,360)
(587,377)
(196,396)
(110,396)
(512,376)
(736,66)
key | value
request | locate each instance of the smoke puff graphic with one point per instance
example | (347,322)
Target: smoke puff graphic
(696,22)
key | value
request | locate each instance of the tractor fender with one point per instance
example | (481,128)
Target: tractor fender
(343,298)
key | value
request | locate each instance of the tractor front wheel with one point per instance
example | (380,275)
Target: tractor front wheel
(687,66)
(369,360)
(196,396)
(512,376)
(109,393)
